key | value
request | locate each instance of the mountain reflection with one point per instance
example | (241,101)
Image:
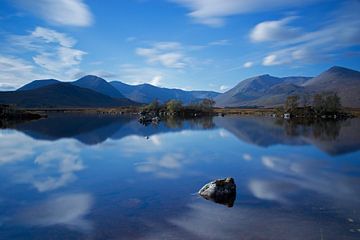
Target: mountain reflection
(332,137)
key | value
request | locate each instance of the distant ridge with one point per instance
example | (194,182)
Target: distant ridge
(263,90)
(142,93)
(146,93)
(269,91)
(259,91)
(99,85)
(61,95)
(38,84)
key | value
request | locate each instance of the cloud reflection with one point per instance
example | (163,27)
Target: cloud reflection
(69,210)
(52,165)
(167,166)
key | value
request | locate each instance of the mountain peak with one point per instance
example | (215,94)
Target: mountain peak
(91,78)
(38,84)
(98,84)
(339,69)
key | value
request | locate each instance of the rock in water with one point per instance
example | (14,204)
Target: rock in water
(221,191)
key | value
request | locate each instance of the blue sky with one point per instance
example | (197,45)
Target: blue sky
(188,44)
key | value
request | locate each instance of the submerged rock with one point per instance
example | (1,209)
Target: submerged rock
(221,191)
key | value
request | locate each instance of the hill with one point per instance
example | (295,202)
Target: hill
(38,84)
(61,95)
(263,90)
(99,85)
(146,93)
(269,91)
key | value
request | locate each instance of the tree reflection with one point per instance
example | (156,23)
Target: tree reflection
(322,129)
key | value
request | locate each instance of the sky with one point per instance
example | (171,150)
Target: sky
(187,44)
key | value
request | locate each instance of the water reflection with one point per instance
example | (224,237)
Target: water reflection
(333,137)
(69,210)
(116,179)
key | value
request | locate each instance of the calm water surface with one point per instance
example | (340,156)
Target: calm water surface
(105,177)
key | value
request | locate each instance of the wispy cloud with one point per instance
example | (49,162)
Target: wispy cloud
(167,54)
(52,53)
(292,45)
(134,74)
(222,42)
(59,12)
(213,12)
(248,64)
(14,71)
(274,31)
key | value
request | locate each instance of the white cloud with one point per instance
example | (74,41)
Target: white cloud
(248,64)
(60,12)
(133,74)
(53,53)
(247,157)
(271,59)
(168,54)
(222,42)
(274,31)
(213,12)
(312,46)
(156,80)
(62,58)
(15,71)
(52,36)
(223,87)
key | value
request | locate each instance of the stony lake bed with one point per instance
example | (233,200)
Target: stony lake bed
(86,176)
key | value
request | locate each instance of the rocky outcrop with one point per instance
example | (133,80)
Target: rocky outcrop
(221,191)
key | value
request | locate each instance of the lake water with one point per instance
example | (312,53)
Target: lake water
(108,177)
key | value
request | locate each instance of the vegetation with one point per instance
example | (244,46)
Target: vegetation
(9,113)
(323,105)
(176,108)
(292,104)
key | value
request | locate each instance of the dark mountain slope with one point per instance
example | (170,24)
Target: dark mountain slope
(146,93)
(263,90)
(99,85)
(345,82)
(268,91)
(38,84)
(61,95)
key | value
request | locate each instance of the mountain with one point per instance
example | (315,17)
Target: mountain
(61,95)
(143,93)
(99,85)
(345,82)
(38,84)
(146,93)
(269,91)
(263,90)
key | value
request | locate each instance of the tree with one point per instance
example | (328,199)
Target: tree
(153,106)
(318,103)
(207,103)
(305,100)
(332,103)
(325,103)
(292,103)
(173,106)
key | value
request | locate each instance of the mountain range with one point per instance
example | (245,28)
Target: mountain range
(93,91)
(259,91)
(269,91)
